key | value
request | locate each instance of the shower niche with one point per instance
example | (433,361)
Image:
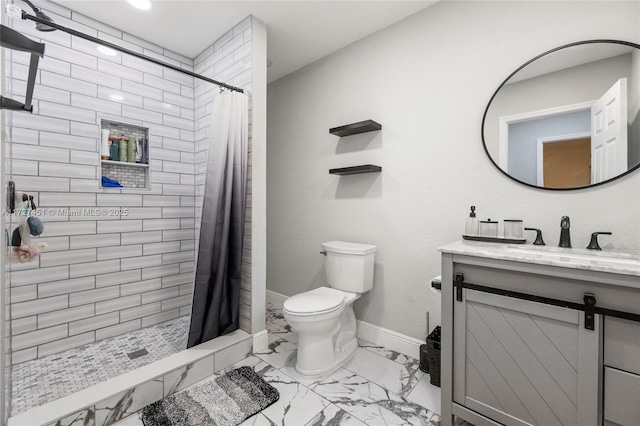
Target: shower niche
(120,162)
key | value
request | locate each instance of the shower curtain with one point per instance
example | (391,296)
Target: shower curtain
(216,296)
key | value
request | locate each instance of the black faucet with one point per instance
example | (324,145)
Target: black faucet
(565,237)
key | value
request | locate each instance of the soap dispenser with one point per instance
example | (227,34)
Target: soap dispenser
(471,227)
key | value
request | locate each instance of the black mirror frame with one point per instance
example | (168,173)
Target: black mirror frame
(484,117)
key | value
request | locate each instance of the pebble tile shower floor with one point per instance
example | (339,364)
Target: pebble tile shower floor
(46,379)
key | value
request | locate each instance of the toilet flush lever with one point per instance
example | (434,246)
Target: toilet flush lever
(323,252)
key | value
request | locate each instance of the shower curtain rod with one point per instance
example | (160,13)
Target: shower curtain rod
(71,31)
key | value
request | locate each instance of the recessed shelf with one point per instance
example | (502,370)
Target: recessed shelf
(356,128)
(124,163)
(354,170)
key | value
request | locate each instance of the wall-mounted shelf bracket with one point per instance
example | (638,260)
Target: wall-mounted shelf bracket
(354,170)
(355,128)
(11,39)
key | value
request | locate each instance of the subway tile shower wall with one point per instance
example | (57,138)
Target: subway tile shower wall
(117,260)
(228,60)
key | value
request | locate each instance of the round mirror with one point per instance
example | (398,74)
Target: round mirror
(568,118)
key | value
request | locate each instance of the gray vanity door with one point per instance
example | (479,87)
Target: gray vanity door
(525,363)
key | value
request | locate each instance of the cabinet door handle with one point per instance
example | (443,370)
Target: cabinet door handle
(459,282)
(589,311)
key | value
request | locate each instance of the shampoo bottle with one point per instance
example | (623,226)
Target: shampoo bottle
(471,227)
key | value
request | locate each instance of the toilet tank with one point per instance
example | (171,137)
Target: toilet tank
(349,266)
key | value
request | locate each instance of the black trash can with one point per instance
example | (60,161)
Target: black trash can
(433,356)
(424,362)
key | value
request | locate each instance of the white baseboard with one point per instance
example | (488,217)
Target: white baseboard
(372,333)
(260,341)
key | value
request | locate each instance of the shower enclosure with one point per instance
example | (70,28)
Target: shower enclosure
(112,290)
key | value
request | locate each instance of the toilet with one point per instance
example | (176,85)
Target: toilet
(324,317)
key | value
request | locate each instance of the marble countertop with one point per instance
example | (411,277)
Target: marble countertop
(624,262)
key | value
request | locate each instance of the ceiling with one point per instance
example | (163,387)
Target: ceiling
(299,32)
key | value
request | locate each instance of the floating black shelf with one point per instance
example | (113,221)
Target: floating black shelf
(355,128)
(354,170)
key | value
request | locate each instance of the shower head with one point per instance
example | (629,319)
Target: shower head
(40,14)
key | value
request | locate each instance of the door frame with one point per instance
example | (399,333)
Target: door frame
(505,120)
(540,147)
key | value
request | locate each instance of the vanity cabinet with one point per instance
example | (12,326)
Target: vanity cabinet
(526,339)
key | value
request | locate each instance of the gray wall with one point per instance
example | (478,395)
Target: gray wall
(427,80)
(523,140)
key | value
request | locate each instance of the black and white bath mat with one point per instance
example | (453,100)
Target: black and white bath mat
(224,401)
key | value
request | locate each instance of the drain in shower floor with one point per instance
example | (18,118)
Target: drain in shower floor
(137,354)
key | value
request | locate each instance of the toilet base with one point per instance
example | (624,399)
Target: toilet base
(341,358)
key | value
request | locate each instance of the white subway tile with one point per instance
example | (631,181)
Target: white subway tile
(70,142)
(140,287)
(45,93)
(33,307)
(177,280)
(24,293)
(67,83)
(91,296)
(93,213)
(57,288)
(93,323)
(116,330)
(164,131)
(181,58)
(169,143)
(140,311)
(67,257)
(84,157)
(118,252)
(119,200)
(127,98)
(64,344)
(141,114)
(39,153)
(178,77)
(161,224)
(55,229)
(64,316)
(158,318)
(182,256)
(177,212)
(158,54)
(160,83)
(141,237)
(83,185)
(49,199)
(187,202)
(94,240)
(27,136)
(120,226)
(68,170)
(39,275)
(177,302)
(141,262)
(161,107)
(187,267)
(38,337)
(156,248)
(96,24)
(85,129)
(18,357)
(160,201)
(92,103)
(142,65)
(118,278)
(24,167)
(94,268)
(91,49)
(158,295)
(187,157)
(142,213)
(183,190)
(96,77)
(159,271)
(162,177)
(141,89)
(24,325)
(119,71)
(67,112)
(40,122)
(173,167)
(117,304)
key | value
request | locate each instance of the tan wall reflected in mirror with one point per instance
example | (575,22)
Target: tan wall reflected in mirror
(588,91)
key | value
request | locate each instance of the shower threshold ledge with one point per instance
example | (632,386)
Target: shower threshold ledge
(152,381)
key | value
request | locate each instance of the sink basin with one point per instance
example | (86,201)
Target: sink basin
(578,256)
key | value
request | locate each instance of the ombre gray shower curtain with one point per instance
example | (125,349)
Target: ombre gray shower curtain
(216,297)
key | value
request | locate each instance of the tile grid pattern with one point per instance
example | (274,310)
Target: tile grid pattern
(228,60)
(377,387)
(117,260)
(52,377)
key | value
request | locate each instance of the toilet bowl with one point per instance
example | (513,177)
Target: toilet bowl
(324,318)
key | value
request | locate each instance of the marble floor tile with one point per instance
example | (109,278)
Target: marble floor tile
(371,403)
(290,370)
(426,394)
(278,352)
(297,404)
(394,376)
(384,352)
(258,420)
(334,416)
(133,420)
(277,325)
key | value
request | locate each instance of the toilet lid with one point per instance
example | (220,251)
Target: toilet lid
(319,300)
